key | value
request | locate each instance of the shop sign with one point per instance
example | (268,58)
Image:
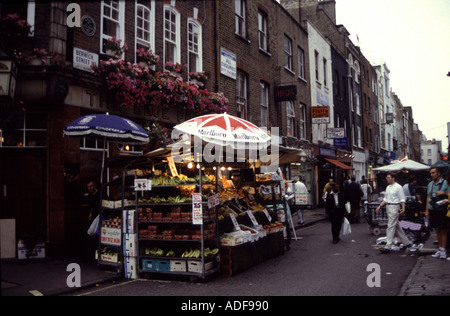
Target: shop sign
(328,152)
(83,59)
(389,118)
(340,142)
(197,214)
(285,93)
(320,114)
(227,63)
(111,236)
(333,133)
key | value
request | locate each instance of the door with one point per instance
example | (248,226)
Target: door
(23,191)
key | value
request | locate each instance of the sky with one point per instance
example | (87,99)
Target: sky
(413,38)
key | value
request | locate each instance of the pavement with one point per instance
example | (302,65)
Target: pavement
(53,277)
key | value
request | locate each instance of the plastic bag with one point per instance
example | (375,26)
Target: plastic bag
(346,228)
(92,230)
(348,207)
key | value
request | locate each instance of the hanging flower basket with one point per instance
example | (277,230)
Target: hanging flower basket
(175,69)
(146,57)
(114,48)
(13,26)
(40,57)
(198,78)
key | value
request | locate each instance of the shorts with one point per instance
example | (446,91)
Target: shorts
(438,218)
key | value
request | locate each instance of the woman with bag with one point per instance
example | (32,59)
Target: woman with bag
(335,205)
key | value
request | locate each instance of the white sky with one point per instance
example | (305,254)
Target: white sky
(413,38)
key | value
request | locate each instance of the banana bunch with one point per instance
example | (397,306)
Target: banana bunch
(157,252)
(197,253)
(211,252)
(191,254)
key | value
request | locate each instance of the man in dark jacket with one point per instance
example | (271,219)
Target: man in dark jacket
(353,194)
(335,204)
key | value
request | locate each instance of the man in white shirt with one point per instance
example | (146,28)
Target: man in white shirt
(394,199)
(298,187)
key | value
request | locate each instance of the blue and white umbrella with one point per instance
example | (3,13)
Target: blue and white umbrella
(108,127)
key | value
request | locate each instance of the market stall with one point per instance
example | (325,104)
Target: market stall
(190,217)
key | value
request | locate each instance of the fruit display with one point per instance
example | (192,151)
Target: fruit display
(197,253)
(115,222)
(181,179)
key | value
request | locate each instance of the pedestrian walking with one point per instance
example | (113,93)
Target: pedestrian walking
(353,194)
(94,201)
(436,210)
(367,191)
(395,207)
(335,204)
(300,187)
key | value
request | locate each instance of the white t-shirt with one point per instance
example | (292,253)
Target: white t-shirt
(394,194)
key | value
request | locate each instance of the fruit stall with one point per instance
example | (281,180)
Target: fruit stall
(194,221)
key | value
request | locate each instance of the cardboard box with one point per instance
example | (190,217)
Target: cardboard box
(108,203)
(129,222)
(178,265)
(155,265)
(130,267)
(196,266)
(130,245)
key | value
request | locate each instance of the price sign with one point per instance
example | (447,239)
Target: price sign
(268,215)
(252,218)
(213,201)
(197,213)
(234,221)
(142,185)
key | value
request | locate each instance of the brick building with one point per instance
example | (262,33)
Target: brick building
(45,174)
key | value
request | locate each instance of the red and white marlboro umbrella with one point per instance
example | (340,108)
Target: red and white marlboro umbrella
(225,130)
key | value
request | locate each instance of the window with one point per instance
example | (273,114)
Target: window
(357,72)
(324,72)
(316,64)
(241,95)
(171,35)
(302,121)
(428,152)
(194,46)
(358,104)
(145,25)
(290,115)
(354,136)
(239,12)
(264,104)
(113,21)
(31,130)
(262,31)
(359,140)
(288,53)
(301,63)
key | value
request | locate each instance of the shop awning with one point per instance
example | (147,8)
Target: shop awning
(339,164)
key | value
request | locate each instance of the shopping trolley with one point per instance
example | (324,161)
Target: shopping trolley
(376,220)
